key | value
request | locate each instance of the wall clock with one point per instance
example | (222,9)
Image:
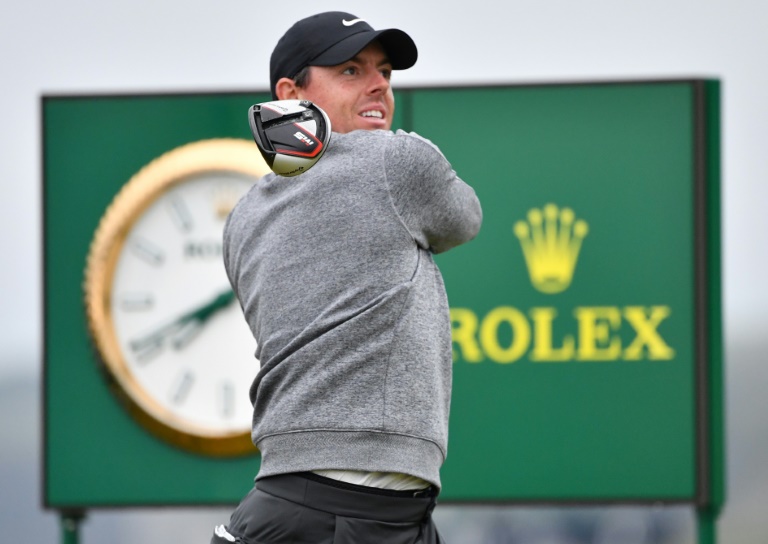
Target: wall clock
(162,316)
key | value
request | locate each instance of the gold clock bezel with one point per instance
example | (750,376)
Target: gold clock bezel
(154,179)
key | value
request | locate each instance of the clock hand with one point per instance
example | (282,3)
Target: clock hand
(149,344)
(219,302)
(195,320)
(185,327)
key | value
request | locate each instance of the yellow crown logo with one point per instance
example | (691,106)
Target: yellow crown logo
(224,199)
(551,240)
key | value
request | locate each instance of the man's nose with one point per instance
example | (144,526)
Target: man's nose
(378,83)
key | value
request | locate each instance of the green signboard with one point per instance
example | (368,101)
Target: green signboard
(586,317)
(96,453)
(577,310)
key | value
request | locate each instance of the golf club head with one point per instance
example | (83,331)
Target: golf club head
(292,135)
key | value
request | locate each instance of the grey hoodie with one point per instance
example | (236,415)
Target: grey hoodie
(334,272)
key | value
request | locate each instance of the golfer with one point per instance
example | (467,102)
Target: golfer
(335,274)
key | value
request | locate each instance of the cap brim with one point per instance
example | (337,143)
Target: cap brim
(399,47)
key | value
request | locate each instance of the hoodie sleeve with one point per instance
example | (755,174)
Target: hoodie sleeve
(439,209)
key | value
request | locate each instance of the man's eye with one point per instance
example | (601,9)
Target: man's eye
(350,71)
(387,74)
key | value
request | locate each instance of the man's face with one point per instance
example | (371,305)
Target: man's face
(355,94)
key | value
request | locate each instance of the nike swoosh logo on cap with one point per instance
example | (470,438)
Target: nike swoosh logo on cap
(352,22)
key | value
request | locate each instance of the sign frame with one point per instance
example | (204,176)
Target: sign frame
(709,494)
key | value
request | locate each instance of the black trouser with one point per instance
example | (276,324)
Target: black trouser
(309,509)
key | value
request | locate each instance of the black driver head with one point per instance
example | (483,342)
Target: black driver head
(292,135)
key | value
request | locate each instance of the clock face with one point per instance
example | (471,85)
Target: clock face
(177,321)
(161,310)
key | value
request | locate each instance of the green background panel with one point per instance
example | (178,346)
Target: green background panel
(96,454)
(620,155)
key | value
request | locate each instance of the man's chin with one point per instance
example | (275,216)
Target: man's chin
(373,123)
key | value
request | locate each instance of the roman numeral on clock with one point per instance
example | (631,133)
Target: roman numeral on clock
(180,214)
(148,252)
(136,302)
(182,387)
(227,400)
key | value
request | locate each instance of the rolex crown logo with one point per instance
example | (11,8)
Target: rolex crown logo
(551,239)
(225,199)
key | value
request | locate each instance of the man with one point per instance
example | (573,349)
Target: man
(335,275)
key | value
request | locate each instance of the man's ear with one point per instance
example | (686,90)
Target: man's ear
(286,89)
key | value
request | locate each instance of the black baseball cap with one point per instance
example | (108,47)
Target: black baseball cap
(331,38)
